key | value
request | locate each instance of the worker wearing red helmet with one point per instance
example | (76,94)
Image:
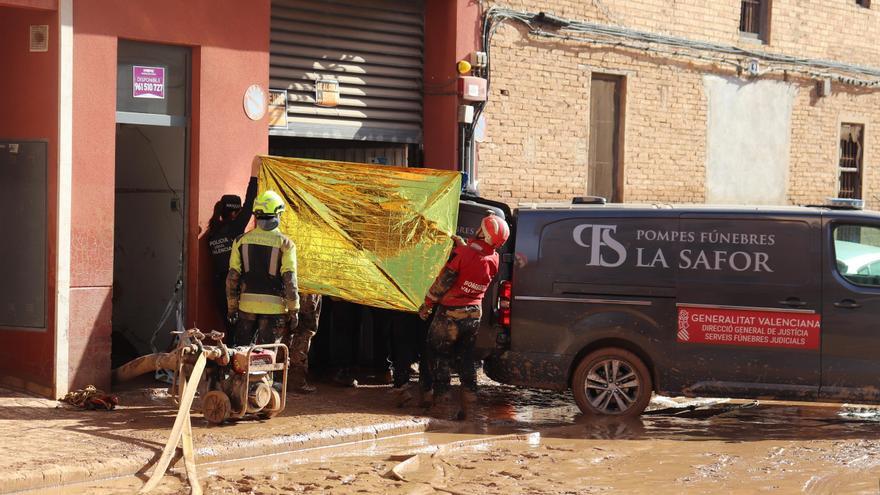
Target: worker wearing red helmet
(457,294)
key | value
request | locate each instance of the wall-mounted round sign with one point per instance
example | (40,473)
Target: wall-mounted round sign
(255,102)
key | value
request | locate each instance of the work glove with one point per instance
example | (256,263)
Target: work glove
(425,311)
(232,317)
(294,320)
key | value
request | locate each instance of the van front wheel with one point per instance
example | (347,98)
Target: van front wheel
(612,382)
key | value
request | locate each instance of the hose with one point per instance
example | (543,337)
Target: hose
(145,364)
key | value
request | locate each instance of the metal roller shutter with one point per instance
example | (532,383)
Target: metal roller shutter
(373,48)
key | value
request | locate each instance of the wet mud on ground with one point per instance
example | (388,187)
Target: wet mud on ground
(537,442)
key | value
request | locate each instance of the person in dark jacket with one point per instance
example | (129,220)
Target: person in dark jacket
(229,221)
(455,298)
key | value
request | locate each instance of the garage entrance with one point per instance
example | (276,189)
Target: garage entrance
(345,83)
(150,200)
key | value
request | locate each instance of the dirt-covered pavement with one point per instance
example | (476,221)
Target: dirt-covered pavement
(54,445)
(536,442)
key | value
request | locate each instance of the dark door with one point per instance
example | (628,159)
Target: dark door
(605,177)
(23,216)
(748,305)
(851,311)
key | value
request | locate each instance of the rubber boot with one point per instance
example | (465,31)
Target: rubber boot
(466,401)
(441,405)
(426,399)
(405,395)
(297,382)
(345,378)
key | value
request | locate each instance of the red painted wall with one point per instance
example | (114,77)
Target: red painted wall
(452,31)
(230,42)
(31,4)
(29,103)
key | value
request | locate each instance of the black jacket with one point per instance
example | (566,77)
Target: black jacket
(220,240)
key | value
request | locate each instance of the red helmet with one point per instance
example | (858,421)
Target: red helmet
(495,230)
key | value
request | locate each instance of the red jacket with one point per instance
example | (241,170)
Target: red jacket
(476,264)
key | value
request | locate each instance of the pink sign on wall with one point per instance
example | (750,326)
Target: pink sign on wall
(148,82)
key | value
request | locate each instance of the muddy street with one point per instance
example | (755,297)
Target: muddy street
(537,442)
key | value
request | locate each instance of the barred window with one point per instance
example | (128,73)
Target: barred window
(852,138)
(753,18)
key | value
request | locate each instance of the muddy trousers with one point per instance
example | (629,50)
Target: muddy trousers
(300,339)
(408,333)
(259,329)
(451,340)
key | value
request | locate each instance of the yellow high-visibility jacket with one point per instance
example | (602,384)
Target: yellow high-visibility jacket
(262,273)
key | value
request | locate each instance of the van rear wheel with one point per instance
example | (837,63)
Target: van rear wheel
(612,382)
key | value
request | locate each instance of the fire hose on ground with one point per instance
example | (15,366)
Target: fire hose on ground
(239,381)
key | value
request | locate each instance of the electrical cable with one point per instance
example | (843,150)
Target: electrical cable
(582,31)
(159,165)
(175,302)
(659,44)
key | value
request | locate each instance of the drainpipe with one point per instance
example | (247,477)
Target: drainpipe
(466,158)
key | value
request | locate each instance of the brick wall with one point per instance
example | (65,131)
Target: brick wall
(536,148)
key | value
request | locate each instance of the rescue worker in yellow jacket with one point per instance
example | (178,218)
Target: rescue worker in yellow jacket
(261,286)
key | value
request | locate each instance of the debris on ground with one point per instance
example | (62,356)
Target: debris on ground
(91,398)
(694,411)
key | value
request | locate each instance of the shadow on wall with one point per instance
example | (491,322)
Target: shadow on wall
(90,345)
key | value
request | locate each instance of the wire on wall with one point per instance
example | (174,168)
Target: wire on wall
(754,63)
(545,25)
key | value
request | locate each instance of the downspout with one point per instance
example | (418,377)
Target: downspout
(469,166)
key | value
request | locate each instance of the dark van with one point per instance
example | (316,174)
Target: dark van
(617,302)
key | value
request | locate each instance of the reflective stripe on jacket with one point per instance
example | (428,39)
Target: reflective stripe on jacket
(262,257)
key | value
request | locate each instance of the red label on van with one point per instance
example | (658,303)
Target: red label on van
(748,327)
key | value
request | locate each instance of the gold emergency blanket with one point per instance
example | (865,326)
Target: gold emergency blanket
(370,234)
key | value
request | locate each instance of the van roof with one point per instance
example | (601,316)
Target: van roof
(702,208)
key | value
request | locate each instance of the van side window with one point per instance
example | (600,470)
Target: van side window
(857,254)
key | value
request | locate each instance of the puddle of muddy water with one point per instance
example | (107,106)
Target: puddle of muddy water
(558,461)
(700,446)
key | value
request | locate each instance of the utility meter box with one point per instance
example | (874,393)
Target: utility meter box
(465,114)
(472,88)
(478,59)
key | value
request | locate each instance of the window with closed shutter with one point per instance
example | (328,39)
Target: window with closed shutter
(372,49)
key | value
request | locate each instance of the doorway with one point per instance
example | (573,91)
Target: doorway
(152,147)
(23,263)
(148,249)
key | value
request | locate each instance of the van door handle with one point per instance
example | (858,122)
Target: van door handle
(847,304)
(792,302)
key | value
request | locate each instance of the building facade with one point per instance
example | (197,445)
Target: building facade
(124,122)
(124,175)
(740,101)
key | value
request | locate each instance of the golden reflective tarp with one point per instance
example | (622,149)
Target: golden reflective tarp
(370,234)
